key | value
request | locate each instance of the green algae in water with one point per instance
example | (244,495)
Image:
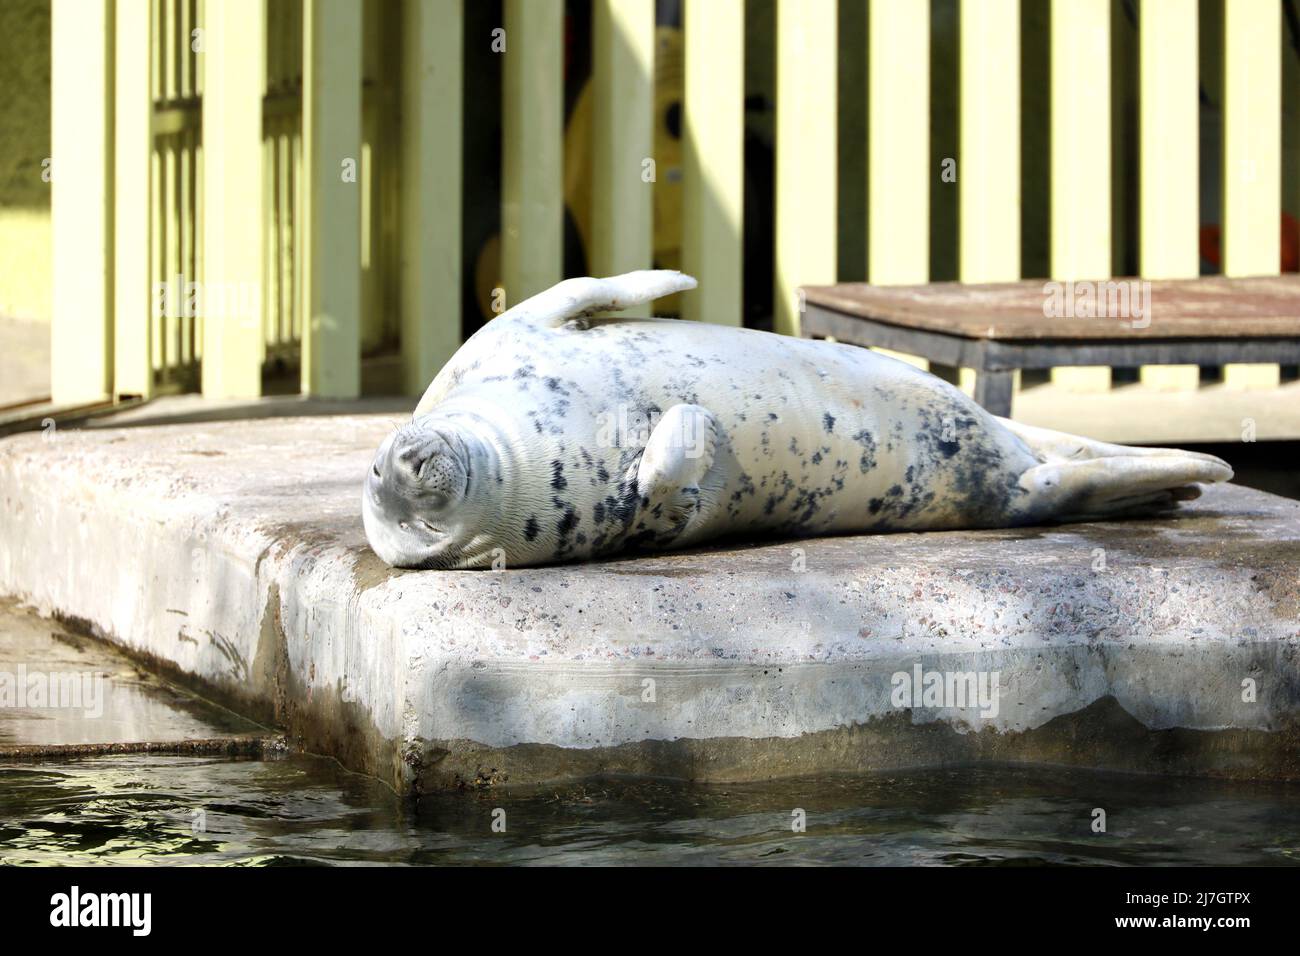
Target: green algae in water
(142,809)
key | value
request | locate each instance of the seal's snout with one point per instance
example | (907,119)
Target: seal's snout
(428,465)
(411,461)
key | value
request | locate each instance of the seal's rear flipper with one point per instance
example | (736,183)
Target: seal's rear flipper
(1119,486)
(1081,479)
(573,300)
(1053,446)
(679,452)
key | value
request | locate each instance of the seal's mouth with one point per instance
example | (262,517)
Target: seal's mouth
(421,526)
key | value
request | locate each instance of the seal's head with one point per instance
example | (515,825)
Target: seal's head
(417,504)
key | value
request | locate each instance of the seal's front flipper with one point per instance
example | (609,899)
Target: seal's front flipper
(1118,486)
(677,456)
(573,300)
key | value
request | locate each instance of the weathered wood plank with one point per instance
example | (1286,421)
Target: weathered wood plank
(1181,308)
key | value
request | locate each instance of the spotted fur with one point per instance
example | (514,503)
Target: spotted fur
(546,413)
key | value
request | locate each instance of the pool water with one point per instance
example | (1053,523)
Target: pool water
(307,810)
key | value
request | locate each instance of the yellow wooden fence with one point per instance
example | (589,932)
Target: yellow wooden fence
(251,185)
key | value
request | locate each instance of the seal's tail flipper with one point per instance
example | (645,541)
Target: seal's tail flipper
(1082,480)
(570,301)
(574,299)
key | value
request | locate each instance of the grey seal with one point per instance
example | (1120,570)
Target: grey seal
(555,434)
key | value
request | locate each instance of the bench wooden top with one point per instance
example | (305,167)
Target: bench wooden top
(1210,307)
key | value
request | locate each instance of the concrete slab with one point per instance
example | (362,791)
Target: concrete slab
(231,555)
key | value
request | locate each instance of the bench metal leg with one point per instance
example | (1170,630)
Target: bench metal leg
(993,391)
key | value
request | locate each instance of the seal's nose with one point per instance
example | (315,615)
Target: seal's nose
(427,464)
(411,459)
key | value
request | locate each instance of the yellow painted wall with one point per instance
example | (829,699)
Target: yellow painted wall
(24,144)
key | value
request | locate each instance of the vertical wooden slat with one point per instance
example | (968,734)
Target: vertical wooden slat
(898,146)
(988,174)
(156,48)
(898,142)
(186,54)
(532,201)
(279,36)
(172,262)
(806,188)
(299,242)
(1252,154)
(167,40)
(81,135)
(433,58)
(389,157)
(331,110)
(233,65)
(988,171)
(270,263)
(714,163)
(284,239)
(198,60)
(1081,164)
(622,200)
(186,143)
(157,258)
(133,144)
(162,223)
(372,322)
(1168,144)
(1291,128)
(196,330)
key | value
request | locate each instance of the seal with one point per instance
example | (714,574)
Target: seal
(557,433)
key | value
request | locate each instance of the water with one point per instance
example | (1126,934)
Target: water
(116,701)
(142,808)
(308,810)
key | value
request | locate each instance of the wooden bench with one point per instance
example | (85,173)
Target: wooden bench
(997,328)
